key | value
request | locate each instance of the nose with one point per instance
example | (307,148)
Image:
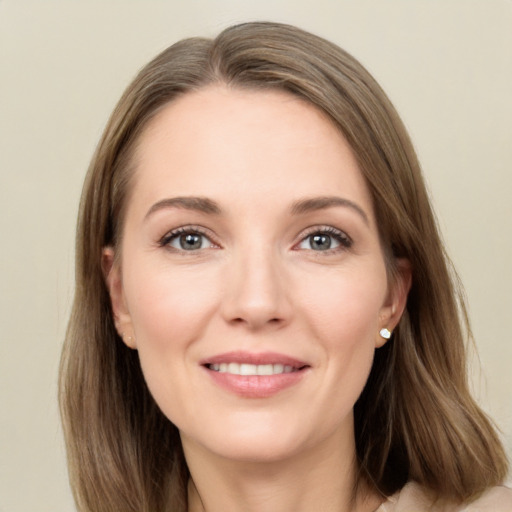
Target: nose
(256,292)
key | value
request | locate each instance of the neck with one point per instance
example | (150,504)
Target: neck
(320,479)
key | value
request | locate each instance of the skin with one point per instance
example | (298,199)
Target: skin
(258,283)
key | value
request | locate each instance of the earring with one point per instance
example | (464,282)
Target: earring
(385,333)
(126,339)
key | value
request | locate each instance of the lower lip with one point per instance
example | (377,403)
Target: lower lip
(256,386)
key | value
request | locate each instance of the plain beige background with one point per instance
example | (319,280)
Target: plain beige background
(446,64)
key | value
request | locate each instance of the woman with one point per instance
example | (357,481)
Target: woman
(264,315)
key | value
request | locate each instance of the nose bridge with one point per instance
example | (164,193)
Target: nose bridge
(256,289)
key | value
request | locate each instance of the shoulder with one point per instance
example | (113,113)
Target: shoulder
(497,499)
(414,497)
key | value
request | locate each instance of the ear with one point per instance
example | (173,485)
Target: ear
(396,300)
(113,280)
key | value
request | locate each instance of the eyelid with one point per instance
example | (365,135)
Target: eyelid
(341,236)
(189,228)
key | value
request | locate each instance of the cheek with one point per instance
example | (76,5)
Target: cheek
(345,307)
(170,310)
(169,307)
(345,319)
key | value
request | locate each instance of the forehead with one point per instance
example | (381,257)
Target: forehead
(233,143)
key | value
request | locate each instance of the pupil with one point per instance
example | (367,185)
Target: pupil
(320,242)
(190,241)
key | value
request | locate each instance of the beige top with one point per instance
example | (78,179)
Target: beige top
(413,499)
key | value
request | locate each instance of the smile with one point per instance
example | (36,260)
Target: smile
(252,369)
(251,375)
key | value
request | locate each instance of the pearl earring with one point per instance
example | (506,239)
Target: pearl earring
(385,333)
(126,339)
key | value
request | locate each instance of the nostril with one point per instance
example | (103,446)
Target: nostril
(256,322)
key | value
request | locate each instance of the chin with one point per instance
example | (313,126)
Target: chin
(253,449)
(262,438)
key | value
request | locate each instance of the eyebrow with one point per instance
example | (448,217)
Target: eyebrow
(205,205)
(324,202)
(198,204)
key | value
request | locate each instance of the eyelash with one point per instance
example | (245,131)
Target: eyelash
(166,240)
(345,242)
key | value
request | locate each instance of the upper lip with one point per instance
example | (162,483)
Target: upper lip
(261,358)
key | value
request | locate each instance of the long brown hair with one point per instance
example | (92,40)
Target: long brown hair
(415,419)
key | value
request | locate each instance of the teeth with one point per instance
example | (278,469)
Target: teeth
(279,368)
(251,369)
(265,369)
(246,369)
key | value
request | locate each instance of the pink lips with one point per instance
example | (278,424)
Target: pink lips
(279,372)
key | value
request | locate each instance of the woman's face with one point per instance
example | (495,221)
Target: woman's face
(252,282)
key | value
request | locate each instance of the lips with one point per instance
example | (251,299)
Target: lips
(263,358)
(255,375)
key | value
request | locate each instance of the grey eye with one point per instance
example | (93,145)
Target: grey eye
(189,241)
(320,242)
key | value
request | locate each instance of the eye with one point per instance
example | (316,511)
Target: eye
(186,239)
(327,239)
